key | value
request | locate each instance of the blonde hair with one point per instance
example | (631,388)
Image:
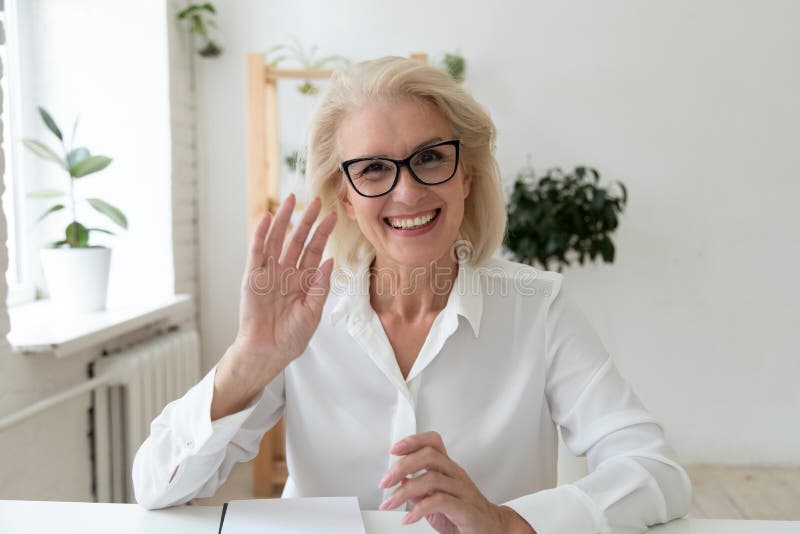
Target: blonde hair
(389,78)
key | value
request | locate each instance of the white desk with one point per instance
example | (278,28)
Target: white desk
(42,517)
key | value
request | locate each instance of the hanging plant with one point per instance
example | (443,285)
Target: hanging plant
(561,217)
(199,18)
(306,59)
(455,65)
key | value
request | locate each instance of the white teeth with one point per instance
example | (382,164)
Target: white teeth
(412,223)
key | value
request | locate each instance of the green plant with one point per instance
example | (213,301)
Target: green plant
(562,216)
(293,159)
(455,65)
(307,60)
(198,18)
(77,162)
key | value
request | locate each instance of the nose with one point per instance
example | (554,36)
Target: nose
(408,190)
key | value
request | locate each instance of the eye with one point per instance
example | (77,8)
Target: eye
(371,170)
(375,167)
(428,157)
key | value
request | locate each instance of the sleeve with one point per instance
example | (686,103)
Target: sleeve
(635,479)
(187,455)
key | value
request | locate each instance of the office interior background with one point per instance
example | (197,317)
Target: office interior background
(693,105)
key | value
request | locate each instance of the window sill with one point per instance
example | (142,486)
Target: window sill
(39,328)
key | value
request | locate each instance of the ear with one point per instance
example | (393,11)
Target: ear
(348,206)
(467,184)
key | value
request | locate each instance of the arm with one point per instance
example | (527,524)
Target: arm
(188,455)
(635,479)
(196,440)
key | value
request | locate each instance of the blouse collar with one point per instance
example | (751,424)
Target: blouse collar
(351,283)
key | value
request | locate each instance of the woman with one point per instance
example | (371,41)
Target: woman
(429,376)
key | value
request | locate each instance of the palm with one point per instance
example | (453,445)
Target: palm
(281,301)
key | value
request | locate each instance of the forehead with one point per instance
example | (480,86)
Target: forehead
(392,128)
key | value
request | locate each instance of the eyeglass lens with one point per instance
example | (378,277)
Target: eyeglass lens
(431,165)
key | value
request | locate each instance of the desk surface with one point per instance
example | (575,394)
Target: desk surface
(45,517)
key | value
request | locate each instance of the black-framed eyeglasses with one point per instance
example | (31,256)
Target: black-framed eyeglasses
(430,165)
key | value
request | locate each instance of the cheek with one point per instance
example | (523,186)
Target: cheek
(365,212)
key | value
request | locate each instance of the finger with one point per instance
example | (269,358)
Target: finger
(417,441)
(416,489)
(320,288)
(256,257)
(456,510)
(300,233)
(277,233)
(316,246)
(426,458)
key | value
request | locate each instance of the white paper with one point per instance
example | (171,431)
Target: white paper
(311,515)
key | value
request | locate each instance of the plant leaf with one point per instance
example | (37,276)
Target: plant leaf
(89,165)
(77,155)
(45,193)
(42,150)
(77,235)
(52,209)
(607,249)
(50,123)
(321,62)
(109,211)
(185,12)
(56,244)
(74,127)
(100,230)
(624,192)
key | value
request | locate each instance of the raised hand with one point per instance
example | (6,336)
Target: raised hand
(283,291)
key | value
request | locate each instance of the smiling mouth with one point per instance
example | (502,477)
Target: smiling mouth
(413,223)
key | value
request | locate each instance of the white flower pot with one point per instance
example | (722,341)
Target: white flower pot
(77,278)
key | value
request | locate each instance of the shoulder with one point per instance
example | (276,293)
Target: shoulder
(518,279)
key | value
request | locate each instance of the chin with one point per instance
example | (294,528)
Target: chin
(418,258)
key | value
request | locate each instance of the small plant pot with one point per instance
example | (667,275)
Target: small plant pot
(77,278)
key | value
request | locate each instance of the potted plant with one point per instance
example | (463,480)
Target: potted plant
(455,65)
(76,272)
(562,216)
(306,59)
(199,18)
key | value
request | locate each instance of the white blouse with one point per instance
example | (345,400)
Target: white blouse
(509,357)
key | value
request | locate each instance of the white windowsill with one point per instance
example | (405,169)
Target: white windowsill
(39,328)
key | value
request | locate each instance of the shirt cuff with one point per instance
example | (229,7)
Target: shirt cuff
(558,510)
(196,433)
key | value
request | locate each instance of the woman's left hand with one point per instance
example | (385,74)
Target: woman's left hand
(444,495)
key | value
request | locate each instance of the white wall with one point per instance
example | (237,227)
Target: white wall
(129,74)
(692,104)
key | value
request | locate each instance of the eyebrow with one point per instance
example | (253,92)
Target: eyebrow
(421,145)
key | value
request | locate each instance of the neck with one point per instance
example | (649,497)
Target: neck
(411,293)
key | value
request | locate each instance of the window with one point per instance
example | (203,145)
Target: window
(20,288)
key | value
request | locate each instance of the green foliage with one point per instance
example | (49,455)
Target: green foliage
(306,59)
(109,211)
(561,217)
(198,18)
(293,160)
(77,163)
(455,65)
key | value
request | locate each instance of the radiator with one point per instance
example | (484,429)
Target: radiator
(148,376)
